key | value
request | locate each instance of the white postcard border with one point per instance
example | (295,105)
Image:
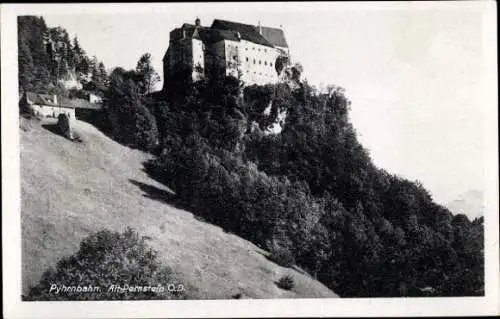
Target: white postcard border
(11,230)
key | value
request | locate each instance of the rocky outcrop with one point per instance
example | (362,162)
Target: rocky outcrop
(291,76)
(70,81)
(65,124)
(277,126)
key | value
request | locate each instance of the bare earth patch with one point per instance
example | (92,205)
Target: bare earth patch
(70,189)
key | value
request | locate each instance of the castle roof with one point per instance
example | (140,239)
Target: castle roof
(189,29)
(275,36)
(248,32)
(214,35)
(233,31)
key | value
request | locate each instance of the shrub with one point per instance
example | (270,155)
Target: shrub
(286,282)
(107,260)
(282,256)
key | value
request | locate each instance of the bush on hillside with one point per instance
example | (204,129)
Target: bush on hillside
(108,259)
(286,282)
(282,256)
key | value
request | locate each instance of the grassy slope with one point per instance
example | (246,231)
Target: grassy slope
(70,189)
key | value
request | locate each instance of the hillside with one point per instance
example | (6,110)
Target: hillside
(71,189)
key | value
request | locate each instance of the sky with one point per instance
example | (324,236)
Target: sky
(415,74)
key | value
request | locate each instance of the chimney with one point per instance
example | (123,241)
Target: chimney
(55,99)
(260,28)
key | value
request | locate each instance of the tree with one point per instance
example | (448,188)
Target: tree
(77,48)
(81,61)
(148,75)
(93,66)
(99,76)
(132,123)
(102,70)
(33,54)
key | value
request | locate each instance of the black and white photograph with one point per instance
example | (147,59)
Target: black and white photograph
(250,159)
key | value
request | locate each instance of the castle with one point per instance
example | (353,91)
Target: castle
(254,54)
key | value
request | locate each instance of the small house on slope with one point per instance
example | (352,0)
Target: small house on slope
(46,106)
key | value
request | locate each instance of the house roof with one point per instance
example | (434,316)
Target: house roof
(46,99)
(84,104)
(65,101)
(248,32)
(275,36)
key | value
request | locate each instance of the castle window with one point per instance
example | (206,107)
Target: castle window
(247,59)
(265,62)
(259,49)
(265,50)
(253,61)
(271,63)
(260,61)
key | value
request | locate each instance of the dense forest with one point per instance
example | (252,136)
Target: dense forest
(310,194)
(48,57)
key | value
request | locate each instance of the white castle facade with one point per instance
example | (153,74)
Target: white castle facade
(254,54)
